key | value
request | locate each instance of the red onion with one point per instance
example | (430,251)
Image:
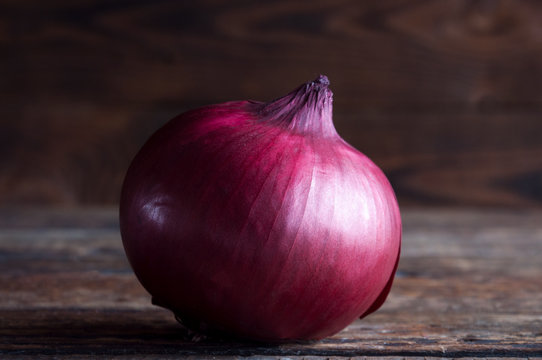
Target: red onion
(257,220)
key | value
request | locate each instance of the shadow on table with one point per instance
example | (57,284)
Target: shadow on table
(117,332)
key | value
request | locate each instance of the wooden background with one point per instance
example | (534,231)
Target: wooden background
(446,96)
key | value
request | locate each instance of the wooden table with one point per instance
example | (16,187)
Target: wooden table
(469,285)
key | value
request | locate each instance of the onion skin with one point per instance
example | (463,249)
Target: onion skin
(256,220)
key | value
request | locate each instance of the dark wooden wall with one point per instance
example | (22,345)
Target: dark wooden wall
(446,96)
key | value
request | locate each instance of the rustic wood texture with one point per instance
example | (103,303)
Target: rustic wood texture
(468,285)
(445,96)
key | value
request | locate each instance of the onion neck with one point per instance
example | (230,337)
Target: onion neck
(307,110)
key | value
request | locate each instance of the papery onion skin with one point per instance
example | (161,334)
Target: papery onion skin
(258,221)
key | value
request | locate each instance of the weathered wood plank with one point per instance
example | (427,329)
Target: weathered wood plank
(153,333)
(468,285)
(445,95)
(492,47)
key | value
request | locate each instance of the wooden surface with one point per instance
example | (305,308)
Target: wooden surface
(469,285)
(445,96)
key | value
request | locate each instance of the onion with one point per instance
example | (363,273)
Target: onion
(257,220)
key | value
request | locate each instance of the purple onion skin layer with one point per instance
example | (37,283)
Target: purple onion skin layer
(258,221)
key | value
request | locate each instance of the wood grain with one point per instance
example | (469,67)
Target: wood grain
(468,285)
(444,95)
